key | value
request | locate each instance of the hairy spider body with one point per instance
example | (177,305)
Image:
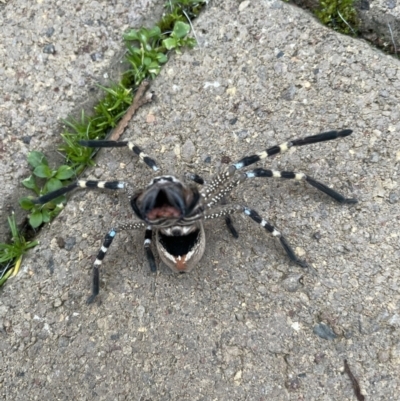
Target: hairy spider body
(175,210)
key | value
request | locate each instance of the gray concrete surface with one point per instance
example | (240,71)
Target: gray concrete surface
(52,55)
(240,326)
(379,21)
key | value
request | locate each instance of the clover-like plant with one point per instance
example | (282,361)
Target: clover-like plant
(42,181)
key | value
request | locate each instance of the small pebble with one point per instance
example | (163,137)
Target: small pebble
(57,303)
(390,4)
(49,32)
(292,282)
(292,384)
(289,93)
(324,331)
(243,134)
(70,243)
(317,235)
(49,49)
(26,139)
(96,56)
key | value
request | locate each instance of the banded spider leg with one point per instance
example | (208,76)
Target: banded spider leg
(106,244)
(175,211)
(227,211)
(226,181)
(113,185)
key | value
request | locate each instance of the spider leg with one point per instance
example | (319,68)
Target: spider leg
(147,241)
(260,172)
(80,184)
(215,185)
(149,253)
(275,233)
(325,136)
(108,239)
(263,223)
(97,263)
(199,180)
(231,227)
(215,193)
(195,178)
(119,144)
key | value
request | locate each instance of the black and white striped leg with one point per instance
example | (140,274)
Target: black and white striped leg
(97,263)
(260,172)
(325,136)
(263,223)
(80,184)
(119,144)
(147,241)
(102,253)
(275,233)
(147,246)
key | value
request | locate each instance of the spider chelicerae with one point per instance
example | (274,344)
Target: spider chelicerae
(175,209)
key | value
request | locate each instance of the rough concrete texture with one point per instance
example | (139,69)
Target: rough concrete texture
(52,55)
(379,21)
(246,324)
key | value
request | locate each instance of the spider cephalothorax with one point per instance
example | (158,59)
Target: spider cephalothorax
(175,210)
(167,201)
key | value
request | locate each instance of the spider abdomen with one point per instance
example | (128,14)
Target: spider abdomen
(181,247)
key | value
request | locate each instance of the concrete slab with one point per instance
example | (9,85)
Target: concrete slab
(52,56)
(242,326)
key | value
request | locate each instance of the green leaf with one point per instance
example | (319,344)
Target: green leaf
(131,35)
(43,171)
(143,37)
(26,203)
(146,61)
(169,43)
(64,172)
(36,219)
(181,29)
(162,58)
(155,32)
(36,159)
(45,215)
(29,182)
(154,68)
(52,185)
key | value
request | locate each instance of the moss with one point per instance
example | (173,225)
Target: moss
(340,15)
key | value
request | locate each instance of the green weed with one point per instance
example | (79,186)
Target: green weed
(178,38)
(51,180)
(13,252)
